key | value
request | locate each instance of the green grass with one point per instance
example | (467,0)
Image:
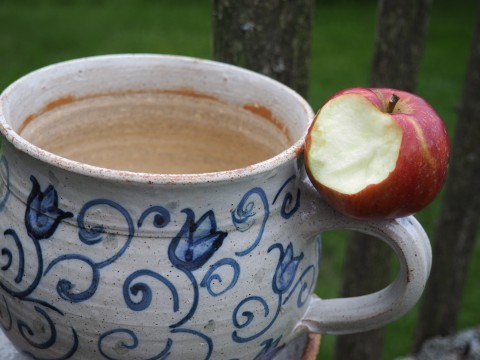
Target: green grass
(34,33)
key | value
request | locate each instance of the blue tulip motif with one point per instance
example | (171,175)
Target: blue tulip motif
(286,268)
(196,242)
(43,215)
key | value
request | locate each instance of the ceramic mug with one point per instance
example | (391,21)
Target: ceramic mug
(101,263)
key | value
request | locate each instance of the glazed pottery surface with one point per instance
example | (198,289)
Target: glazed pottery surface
(110,264)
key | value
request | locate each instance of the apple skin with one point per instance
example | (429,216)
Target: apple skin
(420,170)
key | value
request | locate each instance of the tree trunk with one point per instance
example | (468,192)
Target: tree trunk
(455,233)
(399,39)
(270,37)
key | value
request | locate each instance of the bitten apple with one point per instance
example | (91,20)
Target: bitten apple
(377,153)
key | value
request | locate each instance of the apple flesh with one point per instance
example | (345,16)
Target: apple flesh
(377,153)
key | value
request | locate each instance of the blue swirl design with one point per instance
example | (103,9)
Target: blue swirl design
(27,332)
(90,236)
(43,215)
(145,291)
(132,342)
(249,317)
(29,335)
(133,290)
(210,276)
(43,334)
(127,346)
(21,266)
(289,205)
(65,288)
(282,281)
(94,235)
(191,249)
(66,356)
(245,216)
(5,177)
(21,256)
(160,219)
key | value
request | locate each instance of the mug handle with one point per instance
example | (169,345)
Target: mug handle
(361,313)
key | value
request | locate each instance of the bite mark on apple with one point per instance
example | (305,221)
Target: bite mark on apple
(355,145)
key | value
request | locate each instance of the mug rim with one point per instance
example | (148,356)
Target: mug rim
(21,144)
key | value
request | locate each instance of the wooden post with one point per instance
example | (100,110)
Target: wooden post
(399,39)
(270,37)
(458,225)
(399,42)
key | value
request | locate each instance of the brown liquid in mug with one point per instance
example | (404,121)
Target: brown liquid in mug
(157,133)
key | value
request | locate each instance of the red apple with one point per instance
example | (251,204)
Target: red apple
(377,153)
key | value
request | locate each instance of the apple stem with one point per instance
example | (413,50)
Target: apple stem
(392,102)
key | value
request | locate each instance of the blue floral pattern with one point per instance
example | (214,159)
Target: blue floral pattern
(286,268)
(43,215)
(196,242)
(195,253)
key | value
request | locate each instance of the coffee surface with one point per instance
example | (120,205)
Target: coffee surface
(157,133)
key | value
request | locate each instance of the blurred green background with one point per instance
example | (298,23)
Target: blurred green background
(35,33)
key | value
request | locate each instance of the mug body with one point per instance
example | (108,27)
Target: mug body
(101,263)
